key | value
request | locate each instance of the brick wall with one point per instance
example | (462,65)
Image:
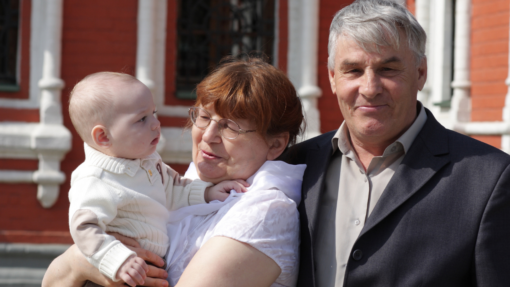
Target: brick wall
(489,62)
(330,115)
(97,36)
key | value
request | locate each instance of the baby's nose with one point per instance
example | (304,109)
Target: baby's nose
(156,124)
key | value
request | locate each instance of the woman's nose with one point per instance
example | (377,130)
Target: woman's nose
(212,133)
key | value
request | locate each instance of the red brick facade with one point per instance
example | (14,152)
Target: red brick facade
(100,35)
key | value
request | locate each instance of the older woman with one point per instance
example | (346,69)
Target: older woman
(246,114)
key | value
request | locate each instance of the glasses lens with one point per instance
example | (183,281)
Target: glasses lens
(229,128)
(200,117)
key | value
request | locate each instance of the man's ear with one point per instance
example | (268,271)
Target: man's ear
(331,74)
(422,73)
(100,136)
(277,145)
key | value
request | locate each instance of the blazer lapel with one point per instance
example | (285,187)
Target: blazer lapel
(313,180)
(427,155)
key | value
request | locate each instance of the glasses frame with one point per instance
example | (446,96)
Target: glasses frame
(220,127)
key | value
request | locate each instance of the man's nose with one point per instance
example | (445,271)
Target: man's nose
(370,85)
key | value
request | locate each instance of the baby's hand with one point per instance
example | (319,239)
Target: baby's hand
(222,190)
(133,271)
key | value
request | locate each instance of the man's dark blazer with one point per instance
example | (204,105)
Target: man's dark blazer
(443,219)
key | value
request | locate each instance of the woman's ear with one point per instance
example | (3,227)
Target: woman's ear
(277,145)
(100,136)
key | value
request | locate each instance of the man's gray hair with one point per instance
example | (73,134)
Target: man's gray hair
(374,24)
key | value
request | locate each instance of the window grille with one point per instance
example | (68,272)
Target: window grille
(9,19)
(208,30)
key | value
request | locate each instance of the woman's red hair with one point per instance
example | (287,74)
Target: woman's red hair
(255,90)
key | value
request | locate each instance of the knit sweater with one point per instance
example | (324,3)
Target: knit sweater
(130,197)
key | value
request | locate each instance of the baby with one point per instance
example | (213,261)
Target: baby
(123,186)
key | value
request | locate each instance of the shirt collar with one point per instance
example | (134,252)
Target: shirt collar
(342,141)
(116,164)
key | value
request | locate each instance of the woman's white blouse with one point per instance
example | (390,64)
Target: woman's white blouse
(265,217)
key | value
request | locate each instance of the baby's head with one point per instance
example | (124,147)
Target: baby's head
(115,114)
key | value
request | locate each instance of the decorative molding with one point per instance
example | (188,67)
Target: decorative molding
(303,59)
(37,34)
(505,139)
(174,145)
(441,41)
(423,17)
(461,102)
(47,141)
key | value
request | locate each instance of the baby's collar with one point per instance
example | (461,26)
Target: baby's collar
(116,164)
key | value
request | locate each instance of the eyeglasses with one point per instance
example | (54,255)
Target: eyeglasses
(228,128)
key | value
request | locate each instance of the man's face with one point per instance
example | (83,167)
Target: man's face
(376,91)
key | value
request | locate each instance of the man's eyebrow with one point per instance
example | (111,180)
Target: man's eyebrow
(391,60)
(351,63)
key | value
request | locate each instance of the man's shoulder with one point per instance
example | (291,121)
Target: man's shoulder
(297,153)
(467,147)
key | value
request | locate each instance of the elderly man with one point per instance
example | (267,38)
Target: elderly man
(392,198)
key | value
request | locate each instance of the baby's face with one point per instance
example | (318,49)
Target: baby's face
(134,130)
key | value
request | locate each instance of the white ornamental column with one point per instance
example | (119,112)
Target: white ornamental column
(51,137)
(309,91)
(423,17)
(146,42)
(461,103)
(505,138)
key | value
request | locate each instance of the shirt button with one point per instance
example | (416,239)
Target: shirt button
(357,255)
(365,180)
(357,222)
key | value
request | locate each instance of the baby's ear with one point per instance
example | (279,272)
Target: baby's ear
(100,136)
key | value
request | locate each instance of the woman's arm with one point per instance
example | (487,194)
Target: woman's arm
(224,262)
(72,268)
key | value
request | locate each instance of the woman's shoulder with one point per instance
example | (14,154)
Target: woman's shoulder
(269,210)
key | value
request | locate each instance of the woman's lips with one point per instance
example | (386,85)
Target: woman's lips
(208,155)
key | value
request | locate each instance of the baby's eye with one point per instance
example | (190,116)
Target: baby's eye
(154,112)
(142,119)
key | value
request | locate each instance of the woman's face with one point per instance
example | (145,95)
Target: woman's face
(218,158)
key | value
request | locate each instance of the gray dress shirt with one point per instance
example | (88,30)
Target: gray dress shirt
(350,196)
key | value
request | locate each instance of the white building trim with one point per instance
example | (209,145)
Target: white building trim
(505,139)
(37,28)
(175,143)
(303,59)
(461,101)
(48,140)
(423,17)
